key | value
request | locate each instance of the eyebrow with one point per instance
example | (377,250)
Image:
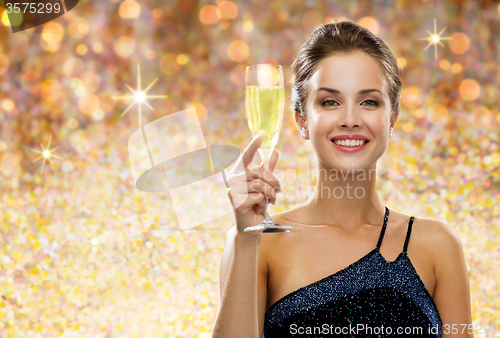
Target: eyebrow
(361,92)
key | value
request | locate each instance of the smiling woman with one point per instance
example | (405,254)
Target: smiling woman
(411,279)
(347,89)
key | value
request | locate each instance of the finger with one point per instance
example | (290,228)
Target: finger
(275,156)
(259,203)
(257,186)
(263,187)
(258,198)
(249,153)
(255,200)
(264,174)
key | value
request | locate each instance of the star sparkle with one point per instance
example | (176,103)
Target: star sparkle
(93,243)
(46,154)
(139,96)
(435,38)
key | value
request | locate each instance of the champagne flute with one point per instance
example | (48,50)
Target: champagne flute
(265,103)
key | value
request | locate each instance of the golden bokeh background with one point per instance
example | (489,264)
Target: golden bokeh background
(85,254)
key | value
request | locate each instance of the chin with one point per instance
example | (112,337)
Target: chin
(349,167)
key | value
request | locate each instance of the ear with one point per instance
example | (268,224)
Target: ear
(300,121)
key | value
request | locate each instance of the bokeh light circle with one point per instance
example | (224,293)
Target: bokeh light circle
(444,64)
(403,62)
(459,43)
(73,67)
(228,10)
(88,103)
(78,27)
(238,50)
(72,123)
(209,15)
(182,59)
(371,23)
(129,9)
(67,166)
(482,116)
(124,46)
(408,127)
(420,113)
(469,89)
(8,105)
(438,114)
(91,81)
(52,32)
(456,68)
(248,25)
(411,97)
(51,90)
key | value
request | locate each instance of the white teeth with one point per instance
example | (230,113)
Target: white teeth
(350,143)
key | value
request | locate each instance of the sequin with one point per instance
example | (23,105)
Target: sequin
(370,294)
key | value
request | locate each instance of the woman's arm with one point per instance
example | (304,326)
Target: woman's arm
(451,294)
(243,282)
(244,270)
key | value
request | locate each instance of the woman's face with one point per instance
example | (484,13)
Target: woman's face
(348,96)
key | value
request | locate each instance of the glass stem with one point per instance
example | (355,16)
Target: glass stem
(267,217)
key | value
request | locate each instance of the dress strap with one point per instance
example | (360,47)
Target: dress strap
(386,218)
(408,233)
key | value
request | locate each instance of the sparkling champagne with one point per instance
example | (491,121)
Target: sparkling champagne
(264,107)
(265,103)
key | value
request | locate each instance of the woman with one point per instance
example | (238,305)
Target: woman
(351,266)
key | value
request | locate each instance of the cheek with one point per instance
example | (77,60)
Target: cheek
(379,127)
(378,122)
(320,124)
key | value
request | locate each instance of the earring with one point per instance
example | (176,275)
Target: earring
(303,134)
(391,134)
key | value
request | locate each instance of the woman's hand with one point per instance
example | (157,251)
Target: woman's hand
(248,187)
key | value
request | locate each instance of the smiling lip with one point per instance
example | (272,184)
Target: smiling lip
(350,137)
(350,149)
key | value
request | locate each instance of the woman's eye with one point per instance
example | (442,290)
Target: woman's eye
(329,103)
(374,103)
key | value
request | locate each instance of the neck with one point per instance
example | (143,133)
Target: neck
(346,198)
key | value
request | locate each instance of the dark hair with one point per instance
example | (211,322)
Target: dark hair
(343,37)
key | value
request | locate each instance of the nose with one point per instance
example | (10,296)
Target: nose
(349,118)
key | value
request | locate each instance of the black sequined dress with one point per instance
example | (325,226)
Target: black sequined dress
(369,298)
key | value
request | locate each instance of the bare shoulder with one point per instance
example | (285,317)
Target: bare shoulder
(442,240)
(451,293)
(437,232)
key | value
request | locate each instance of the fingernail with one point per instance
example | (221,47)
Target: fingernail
(279,189)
